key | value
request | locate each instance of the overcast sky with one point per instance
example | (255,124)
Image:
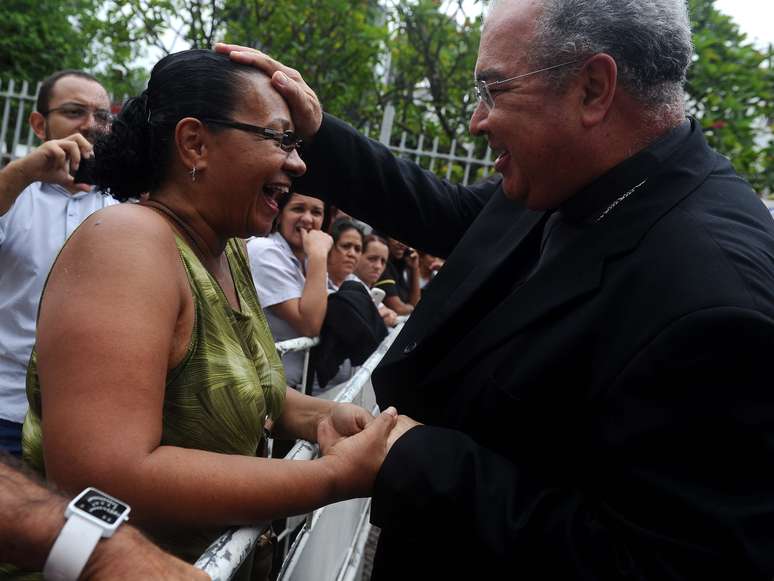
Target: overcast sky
(754,17)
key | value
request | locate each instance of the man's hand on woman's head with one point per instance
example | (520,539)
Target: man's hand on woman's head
(303,102)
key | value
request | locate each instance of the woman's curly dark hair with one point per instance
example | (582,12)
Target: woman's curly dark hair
(133,158)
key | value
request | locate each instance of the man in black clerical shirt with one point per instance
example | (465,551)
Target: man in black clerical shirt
(587,374)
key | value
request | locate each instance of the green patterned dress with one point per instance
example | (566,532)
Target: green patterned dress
(218,398)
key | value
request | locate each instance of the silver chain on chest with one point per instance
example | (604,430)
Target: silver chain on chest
(618,200)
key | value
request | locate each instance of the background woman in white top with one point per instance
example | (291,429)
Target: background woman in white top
(290,273)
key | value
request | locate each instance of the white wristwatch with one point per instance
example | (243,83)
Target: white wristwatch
(91,515)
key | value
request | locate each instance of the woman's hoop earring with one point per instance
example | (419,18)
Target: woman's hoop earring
(193,174)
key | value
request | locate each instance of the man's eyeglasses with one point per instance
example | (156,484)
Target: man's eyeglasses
(75,112)
(287,140)
(484,94)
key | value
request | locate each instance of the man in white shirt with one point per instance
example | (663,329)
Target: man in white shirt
(40,206)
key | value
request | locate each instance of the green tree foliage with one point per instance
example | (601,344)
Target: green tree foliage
(433,49)
(731,91)
(336,44)
(38,37)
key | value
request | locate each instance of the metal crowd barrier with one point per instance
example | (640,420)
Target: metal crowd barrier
(223,557)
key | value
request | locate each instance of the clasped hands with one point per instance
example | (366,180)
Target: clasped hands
(355,444)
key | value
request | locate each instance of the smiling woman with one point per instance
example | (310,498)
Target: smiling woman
(155,374)
(291,275)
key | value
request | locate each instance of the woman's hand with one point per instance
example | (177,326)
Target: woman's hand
(317,244)
(355,461)
(389,316)
(304,105)
(344,420)
(411,259)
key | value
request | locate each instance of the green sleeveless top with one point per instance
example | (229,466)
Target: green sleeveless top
(218,397)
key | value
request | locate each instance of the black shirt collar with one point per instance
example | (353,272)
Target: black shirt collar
(590,202)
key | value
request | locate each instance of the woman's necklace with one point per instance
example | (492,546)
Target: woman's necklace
(193,236)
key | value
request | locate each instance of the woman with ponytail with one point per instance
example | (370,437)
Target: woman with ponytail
(155,375)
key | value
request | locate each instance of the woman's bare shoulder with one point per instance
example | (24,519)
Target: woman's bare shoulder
(125,231)
(128,242)
(139,222)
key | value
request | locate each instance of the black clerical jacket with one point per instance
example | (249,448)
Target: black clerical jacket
(611,416)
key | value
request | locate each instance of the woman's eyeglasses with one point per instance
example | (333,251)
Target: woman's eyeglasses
(287,140)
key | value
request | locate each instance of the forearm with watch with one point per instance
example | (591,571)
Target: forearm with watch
(32,520)
(91,516)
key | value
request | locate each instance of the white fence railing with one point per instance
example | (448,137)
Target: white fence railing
(16,135)
(316,552)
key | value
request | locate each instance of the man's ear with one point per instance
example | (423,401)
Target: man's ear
(38,124)
(191,139)
(599,78)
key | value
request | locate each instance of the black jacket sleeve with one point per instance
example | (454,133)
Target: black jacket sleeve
(396,196)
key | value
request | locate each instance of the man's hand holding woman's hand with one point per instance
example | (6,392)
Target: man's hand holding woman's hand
(304,105)
(356,459)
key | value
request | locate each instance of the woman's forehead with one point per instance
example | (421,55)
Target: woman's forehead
(261,101)
(377,247)
(298,199)
(351,234)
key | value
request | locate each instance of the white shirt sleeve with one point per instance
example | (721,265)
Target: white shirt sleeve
(276,277)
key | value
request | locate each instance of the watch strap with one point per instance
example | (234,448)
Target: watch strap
(72,549)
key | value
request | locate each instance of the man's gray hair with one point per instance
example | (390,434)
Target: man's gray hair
(650,41)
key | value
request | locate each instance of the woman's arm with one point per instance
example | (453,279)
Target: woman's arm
(396,304)
(307,313)
(114,319)
(302,415)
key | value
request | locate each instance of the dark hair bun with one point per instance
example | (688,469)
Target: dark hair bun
(124,167)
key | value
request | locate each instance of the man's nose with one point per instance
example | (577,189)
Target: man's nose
(477,119)
(89,119)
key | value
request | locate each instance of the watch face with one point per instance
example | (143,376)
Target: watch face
(101,506)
